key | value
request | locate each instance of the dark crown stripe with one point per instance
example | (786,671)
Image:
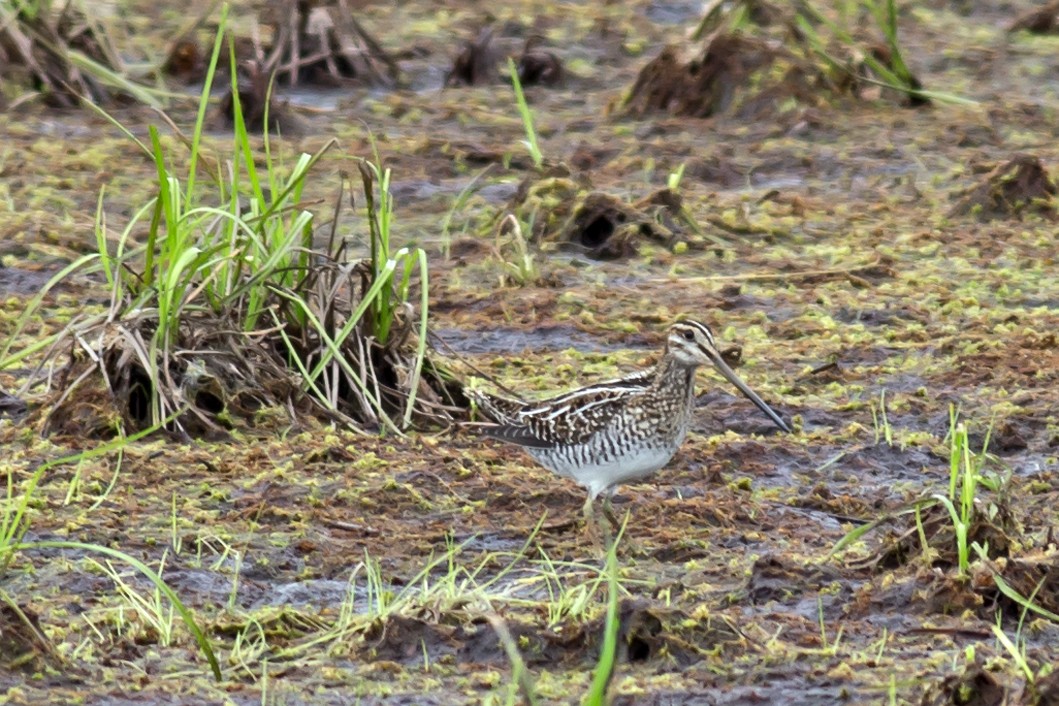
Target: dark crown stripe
(700,327)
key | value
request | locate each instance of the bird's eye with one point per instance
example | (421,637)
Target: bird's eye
(689,335)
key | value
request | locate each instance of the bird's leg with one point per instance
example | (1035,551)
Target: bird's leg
(608,512)
(587,510)
(617,524)
(601,536)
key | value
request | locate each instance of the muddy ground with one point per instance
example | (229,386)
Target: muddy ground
(832,252)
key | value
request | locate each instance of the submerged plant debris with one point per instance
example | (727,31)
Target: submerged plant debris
(1018,185)
(885,277)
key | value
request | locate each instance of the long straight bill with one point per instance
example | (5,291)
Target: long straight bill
(750,394)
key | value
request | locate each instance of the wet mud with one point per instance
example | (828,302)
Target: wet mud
(872,264)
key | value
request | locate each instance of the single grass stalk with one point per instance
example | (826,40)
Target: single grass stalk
(1016,654)
(421,343)
(39,639)
(175,540)
(520,674)
(204,98)
(675,177)
(960,526)
(922,533)
(459,203)
(527,116)
(264,681)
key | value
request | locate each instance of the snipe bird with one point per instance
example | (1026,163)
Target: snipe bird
(620,430)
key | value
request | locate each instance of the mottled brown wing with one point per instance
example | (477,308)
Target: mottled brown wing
(499,409)
(567,420)
(523,436)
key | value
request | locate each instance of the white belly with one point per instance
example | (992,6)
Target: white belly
(598,476)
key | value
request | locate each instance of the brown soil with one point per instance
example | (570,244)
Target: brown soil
(816,235)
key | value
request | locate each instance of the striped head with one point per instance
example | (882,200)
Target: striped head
(691,344)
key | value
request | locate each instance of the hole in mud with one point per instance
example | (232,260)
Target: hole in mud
(209,402)
(537,66)
(639,650)
(139,396)
(597,232)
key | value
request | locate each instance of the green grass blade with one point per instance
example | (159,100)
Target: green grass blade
(527,116)
(858,532)
(519,670)
(333,352)
(597,692)
(1008,590)
(204,98)
(144,95)
(11,526)
(6,359)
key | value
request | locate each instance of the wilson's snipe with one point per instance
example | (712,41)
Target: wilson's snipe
(616,431)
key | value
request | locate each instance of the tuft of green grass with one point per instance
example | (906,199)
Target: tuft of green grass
(965,475)
(896,76)
(156,613)
(962,500)
(517,259)
(228,246)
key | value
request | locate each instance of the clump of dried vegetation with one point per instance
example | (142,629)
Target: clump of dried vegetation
(1019,186)
(967,546)
(224,308)
(65,53)
(754,59)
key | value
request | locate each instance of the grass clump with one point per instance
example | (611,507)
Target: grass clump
(222,305)
(516,257)
(947,526)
